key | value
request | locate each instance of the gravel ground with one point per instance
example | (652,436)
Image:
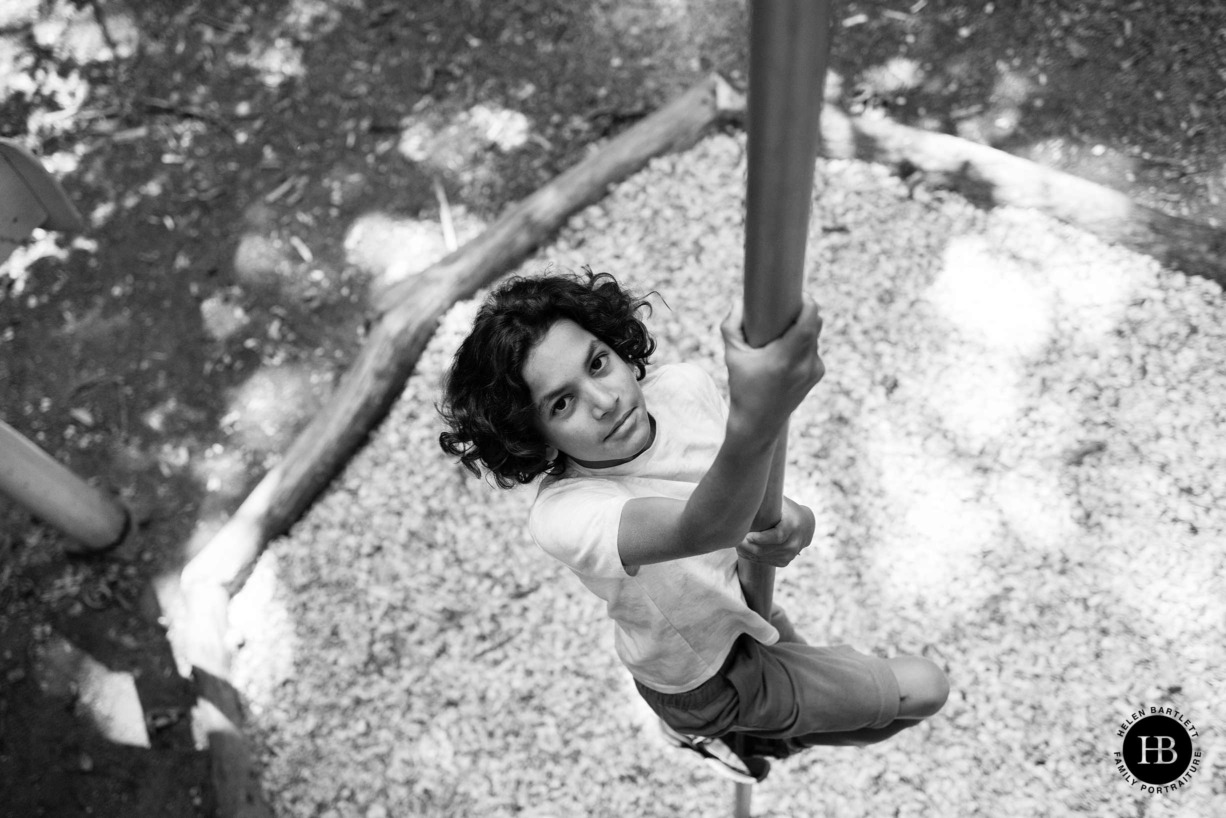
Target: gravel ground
(1014,459)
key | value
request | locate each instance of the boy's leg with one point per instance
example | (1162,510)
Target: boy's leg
(692,719)
(922,686)
(793,696)
(784,747)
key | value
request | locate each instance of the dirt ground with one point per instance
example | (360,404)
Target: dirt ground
(248,172)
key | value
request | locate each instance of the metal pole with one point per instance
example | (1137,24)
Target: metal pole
(51,492)
(789,46)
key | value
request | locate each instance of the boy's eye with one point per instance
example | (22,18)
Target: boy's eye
(598,363)
(558,406)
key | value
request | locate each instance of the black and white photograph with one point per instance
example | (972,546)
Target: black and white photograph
(543,409)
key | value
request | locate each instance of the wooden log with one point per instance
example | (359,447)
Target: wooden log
(409,312)
(988,177)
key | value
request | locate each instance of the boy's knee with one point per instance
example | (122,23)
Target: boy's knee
(940,689)
(922,686)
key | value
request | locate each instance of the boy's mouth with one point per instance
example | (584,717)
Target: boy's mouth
(617,426)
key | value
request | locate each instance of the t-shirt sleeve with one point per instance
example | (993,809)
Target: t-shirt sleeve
(706,391)
(578,524)
(719,402)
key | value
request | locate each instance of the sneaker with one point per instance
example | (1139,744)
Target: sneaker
(719,756)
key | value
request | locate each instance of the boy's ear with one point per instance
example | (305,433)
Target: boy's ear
(551,454)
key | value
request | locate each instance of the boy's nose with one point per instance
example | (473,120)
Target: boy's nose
(603,401)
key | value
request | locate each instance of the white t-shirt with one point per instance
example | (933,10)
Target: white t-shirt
(675,621)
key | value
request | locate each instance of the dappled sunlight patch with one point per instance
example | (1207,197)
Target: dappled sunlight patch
(1033,506)
(107,698)
(42,245)
(258,618)
(896,76)
(502,127)
(267,409)
(220,470)
(979,397)
(222,315)
(938,527)
(464,144)
(391,248)
(275,61)
(936,549)
(990,298)
(261,259)
(449,142)
(75,32)
(315,18)
(1092,299)
(1086,301)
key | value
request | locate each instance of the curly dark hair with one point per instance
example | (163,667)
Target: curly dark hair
(486,402)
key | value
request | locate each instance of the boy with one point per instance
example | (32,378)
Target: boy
(650,487)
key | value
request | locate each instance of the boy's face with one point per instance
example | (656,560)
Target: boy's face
(586,400)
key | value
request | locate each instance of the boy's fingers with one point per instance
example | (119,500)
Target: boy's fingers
(731,327)
(769,538)
(808,320)
(810,316)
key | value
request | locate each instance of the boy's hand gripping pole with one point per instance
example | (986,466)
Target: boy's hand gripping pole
(789,46)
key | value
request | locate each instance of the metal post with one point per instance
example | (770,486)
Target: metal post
(31,197)
(789,46)
(51,492)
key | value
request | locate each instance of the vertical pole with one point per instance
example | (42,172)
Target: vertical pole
(789,46)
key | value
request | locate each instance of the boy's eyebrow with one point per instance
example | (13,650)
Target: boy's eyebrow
(549,397)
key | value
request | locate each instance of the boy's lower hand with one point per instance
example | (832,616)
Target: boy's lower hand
(779,545)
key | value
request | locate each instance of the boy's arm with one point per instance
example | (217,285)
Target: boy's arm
(717,515)
(765,385)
